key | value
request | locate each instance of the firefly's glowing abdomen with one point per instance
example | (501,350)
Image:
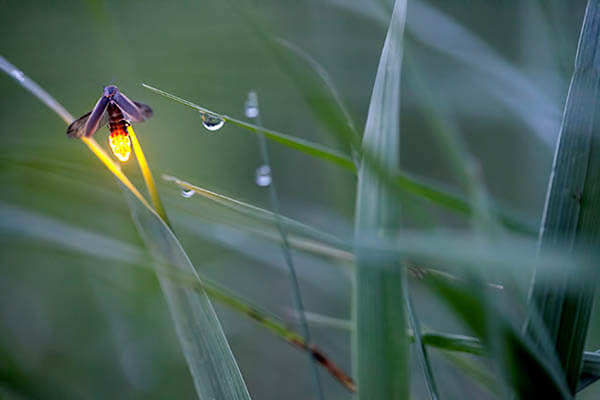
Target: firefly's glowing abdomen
(120,143)
(118,140)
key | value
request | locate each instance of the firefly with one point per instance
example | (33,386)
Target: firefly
(116,110)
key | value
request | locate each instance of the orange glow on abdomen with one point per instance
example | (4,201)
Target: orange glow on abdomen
(120,144)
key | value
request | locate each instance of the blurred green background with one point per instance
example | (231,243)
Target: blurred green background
(78,325)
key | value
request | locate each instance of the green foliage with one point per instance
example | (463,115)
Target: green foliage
(409,247)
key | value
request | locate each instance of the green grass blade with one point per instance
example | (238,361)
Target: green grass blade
(261,214)
(380,354)
(287,254)
(465,166)
(529,372)
(404,181)
(213,367)
(453,342)
(211,362)
(313,84)
(305,146)
(572,210)
(35,89)
(420,344)
(445,198)
(18,221)
(474,370)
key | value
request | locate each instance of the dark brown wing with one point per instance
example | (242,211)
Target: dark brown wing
(145,109)
(99,111)
(129,108)
(77,128)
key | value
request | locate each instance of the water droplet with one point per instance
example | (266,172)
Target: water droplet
(251,105)
(212,122)
(18,75)
(263,176)
(187,193)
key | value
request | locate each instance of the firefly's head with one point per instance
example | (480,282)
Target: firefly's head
(110,91)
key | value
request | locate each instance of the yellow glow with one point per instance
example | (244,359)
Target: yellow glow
(114,168)
(121,146)
(143,164)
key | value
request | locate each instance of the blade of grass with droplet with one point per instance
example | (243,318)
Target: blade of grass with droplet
(305,146)
(380,355)
(261,214)
(572,209)
(430,191)
(213,368)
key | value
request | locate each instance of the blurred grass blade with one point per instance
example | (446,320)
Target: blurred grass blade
(35,89)
(430,191)
(572,208)
(213,368)
(316,88)
(590,372)
(465,166)
(500,78)
(380,354)
(18,221)
(530,373)
(285,249)
(262,214)
(452,342)
(436,194)
(305,146)
(474,370)
(327,81)
(418,340)
(503,80)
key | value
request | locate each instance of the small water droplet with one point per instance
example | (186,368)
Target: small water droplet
(187,193)
(263,176)
(18,75)
(212,122)
(251,105)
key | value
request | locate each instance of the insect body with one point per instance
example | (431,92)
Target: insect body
(116,110)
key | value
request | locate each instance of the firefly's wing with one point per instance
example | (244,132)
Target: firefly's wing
(131,110)
(145,109)
(96,116)
(77,128)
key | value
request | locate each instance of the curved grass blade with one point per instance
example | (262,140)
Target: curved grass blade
(502,79)
(380,354)
(305,146)
(316,89)
(261,214)
(215,372)
(148,178)
(409,182)
(16,220)
(322,73)
(572,208)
